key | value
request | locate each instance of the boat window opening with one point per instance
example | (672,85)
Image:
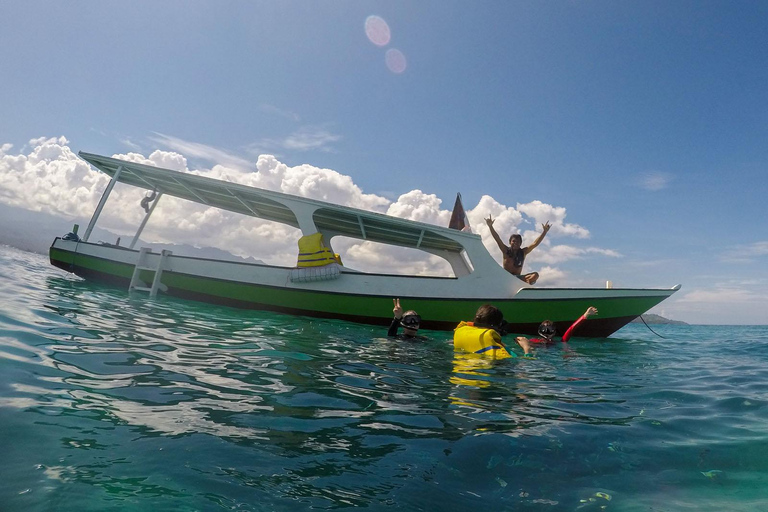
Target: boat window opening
(194,230)
(120,216)
(382,229)
(377,258)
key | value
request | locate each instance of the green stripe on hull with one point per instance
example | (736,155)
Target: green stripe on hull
(524,314)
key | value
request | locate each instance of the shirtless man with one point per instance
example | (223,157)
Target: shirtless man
(514,255)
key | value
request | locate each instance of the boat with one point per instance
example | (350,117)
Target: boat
(319,284)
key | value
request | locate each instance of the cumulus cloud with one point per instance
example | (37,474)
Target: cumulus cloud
(51,178)
(542,212)
(421,207)
(552,276)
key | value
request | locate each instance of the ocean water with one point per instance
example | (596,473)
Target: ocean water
(110,402)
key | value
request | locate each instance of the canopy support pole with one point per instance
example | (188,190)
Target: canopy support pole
(144,221)
(102,202)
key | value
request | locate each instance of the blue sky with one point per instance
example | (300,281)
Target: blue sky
(647,122)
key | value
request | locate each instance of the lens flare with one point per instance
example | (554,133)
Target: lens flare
(377,30)
(395,60)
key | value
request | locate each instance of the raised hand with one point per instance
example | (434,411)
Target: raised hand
(591,310)
(398,311)
(489,221)
(524,343)
(545,227)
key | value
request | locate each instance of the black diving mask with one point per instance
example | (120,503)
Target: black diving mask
(411,321)
(547,331)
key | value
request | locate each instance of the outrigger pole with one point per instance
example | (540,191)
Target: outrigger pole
(102,202)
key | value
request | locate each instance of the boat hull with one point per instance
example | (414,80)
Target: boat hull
(359,297)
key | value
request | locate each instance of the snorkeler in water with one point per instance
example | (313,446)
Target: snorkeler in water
(410,321)
(483,335)
(548,331)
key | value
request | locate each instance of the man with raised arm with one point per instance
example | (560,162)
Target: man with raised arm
(514,255)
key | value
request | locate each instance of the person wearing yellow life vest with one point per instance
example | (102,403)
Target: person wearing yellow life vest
(483,335)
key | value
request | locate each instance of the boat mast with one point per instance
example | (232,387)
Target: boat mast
(102,202)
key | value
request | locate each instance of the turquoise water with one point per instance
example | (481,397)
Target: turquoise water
(115,403)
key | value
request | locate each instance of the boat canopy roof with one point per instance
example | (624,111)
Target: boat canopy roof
(327,218)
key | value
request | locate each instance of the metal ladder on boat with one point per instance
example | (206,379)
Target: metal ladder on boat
(141,264)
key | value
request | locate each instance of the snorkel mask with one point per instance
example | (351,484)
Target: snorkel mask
(411,321)
(547,330)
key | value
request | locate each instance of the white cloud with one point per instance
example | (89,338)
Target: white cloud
(421,207)
(542,212)
(721,294)
(552,276)
(654,181)
(51,178)
(562,253)
(307,138)
(287,114)
(165,159)
(129,143)
(201,151)
(746,253)
(310,138)
(732,302)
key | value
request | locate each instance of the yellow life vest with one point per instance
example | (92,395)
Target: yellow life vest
(313,253)
(479,340)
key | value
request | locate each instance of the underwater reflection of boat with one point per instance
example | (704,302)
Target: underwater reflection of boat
(319,285)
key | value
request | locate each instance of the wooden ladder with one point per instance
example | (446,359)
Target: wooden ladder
(142,264)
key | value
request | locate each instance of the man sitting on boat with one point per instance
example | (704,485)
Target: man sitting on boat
(483,335)
(514,255)
(410,320)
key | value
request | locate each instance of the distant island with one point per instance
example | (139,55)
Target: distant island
(650,318)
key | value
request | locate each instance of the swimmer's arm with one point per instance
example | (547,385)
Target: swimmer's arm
(394,326)
(589,312)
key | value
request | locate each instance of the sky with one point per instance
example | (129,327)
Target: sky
(639,129)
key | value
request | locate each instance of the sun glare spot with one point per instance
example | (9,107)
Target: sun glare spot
(395,60)
(377,30)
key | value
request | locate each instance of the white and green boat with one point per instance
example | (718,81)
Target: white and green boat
(333,290)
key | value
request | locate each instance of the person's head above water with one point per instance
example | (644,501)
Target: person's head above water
(410,322)
(490,316)
(547,329)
